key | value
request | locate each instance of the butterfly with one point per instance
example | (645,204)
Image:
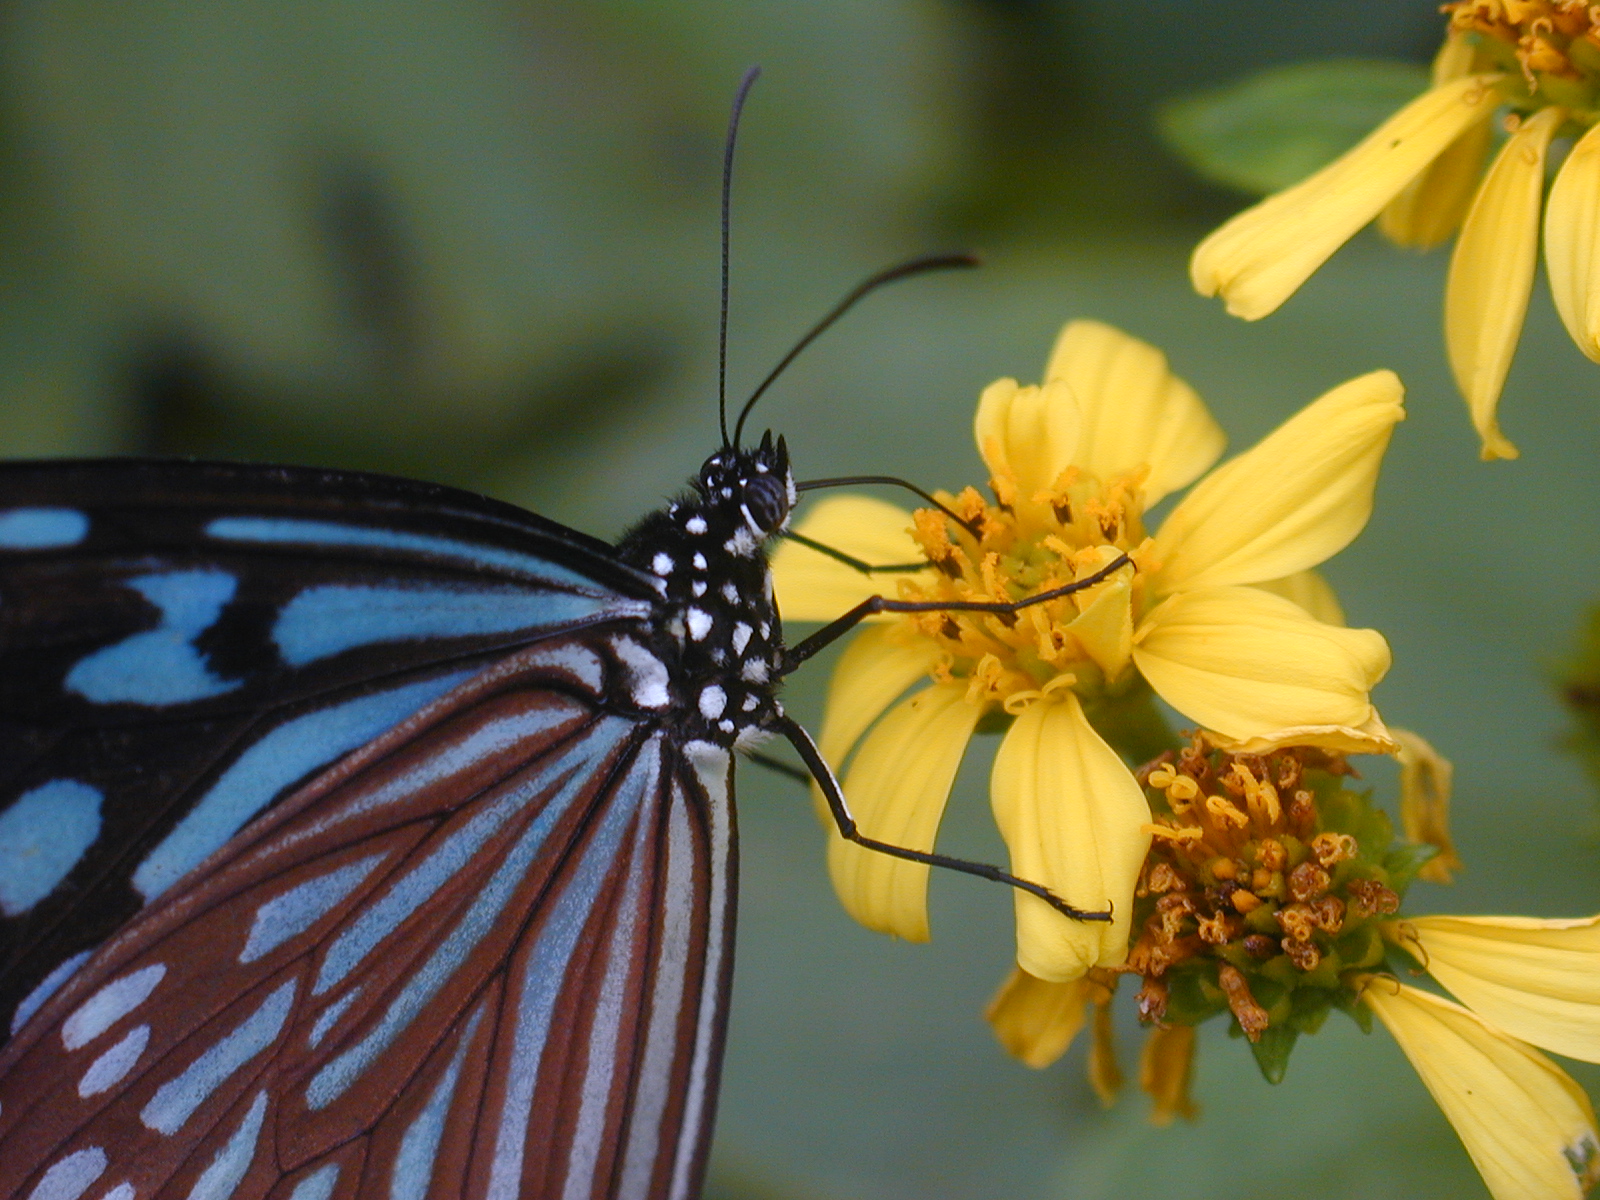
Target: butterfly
(361,836)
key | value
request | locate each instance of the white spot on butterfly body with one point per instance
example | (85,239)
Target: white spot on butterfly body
(741,637)
(699,623)
(751,702)
(730,592)
(726,726)
(110,1068)
(695,525)
(161,666)
(743,543)
(699,561)
(698,588)
(71,1177)
(109,1005)
(661,564)
(41,528)
(649,680)
(42,836)
(754,671)
(712,701)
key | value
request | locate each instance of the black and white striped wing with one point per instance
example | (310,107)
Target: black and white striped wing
(487,956)
(181,644)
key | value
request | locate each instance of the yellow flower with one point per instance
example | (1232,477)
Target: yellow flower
(1205,620)
(1422,174)
(1529,1128)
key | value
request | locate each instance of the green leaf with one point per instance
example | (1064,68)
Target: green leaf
(1273,129)
(1272,1051)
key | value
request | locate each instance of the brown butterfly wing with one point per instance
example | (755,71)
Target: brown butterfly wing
(485,956)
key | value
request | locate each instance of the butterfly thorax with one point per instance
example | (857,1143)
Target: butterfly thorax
(717,632)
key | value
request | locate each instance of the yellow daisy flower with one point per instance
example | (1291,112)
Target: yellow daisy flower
(1422,174)
(1208,621)
(1270,897)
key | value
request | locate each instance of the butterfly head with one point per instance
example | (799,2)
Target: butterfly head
(756,484)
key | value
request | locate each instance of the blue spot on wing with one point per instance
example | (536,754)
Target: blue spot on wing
(161,666)
(42,837)
(41,528)
(328,620)
(282,756)
(298,532)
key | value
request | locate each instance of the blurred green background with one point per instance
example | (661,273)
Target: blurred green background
(477,243)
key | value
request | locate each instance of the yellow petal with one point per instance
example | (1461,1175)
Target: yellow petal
(1425,779)
(1105,628)
(1105,1072)
(1529,1128)
(876,667)
(1166,1066)
(1370,737)
(1491,274)
(810,586)
(1036,1020)
(1028,433)
(1289,502)
(1572,242)
(1311,592)
(1245,663)
(1537,980)
(897,787)
(1074,819)
(1136,412)
(1431,206)
(1258,259)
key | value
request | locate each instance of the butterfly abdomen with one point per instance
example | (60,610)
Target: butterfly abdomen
(718,632)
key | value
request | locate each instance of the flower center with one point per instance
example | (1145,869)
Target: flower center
(1024,545)
(1552,45)
(1265,883)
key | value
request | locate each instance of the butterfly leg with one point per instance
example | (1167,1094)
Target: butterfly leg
(837,628)
(823,775)
(812,485)
(854,563)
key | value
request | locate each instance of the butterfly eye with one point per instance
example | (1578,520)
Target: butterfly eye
(766,502)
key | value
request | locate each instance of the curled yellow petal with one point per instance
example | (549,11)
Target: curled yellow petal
(1036,1020)
(1431,207)
(1572,242)
(1538,980)
(810,586)
(1370,737)
(1491,274)
(1166,1067)
(1073,819)
(1136,412)
(1258,259)
(896,788)
(1425,782)
(1529,1128)
(1289,502)
(1311,592)
(1245,663)
(1027,433)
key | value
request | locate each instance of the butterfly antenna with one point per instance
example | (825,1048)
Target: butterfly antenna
(745,85)
(917,266)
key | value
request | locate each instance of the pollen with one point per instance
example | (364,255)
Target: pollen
(1262,888)
(1014,547)
(1551,44)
